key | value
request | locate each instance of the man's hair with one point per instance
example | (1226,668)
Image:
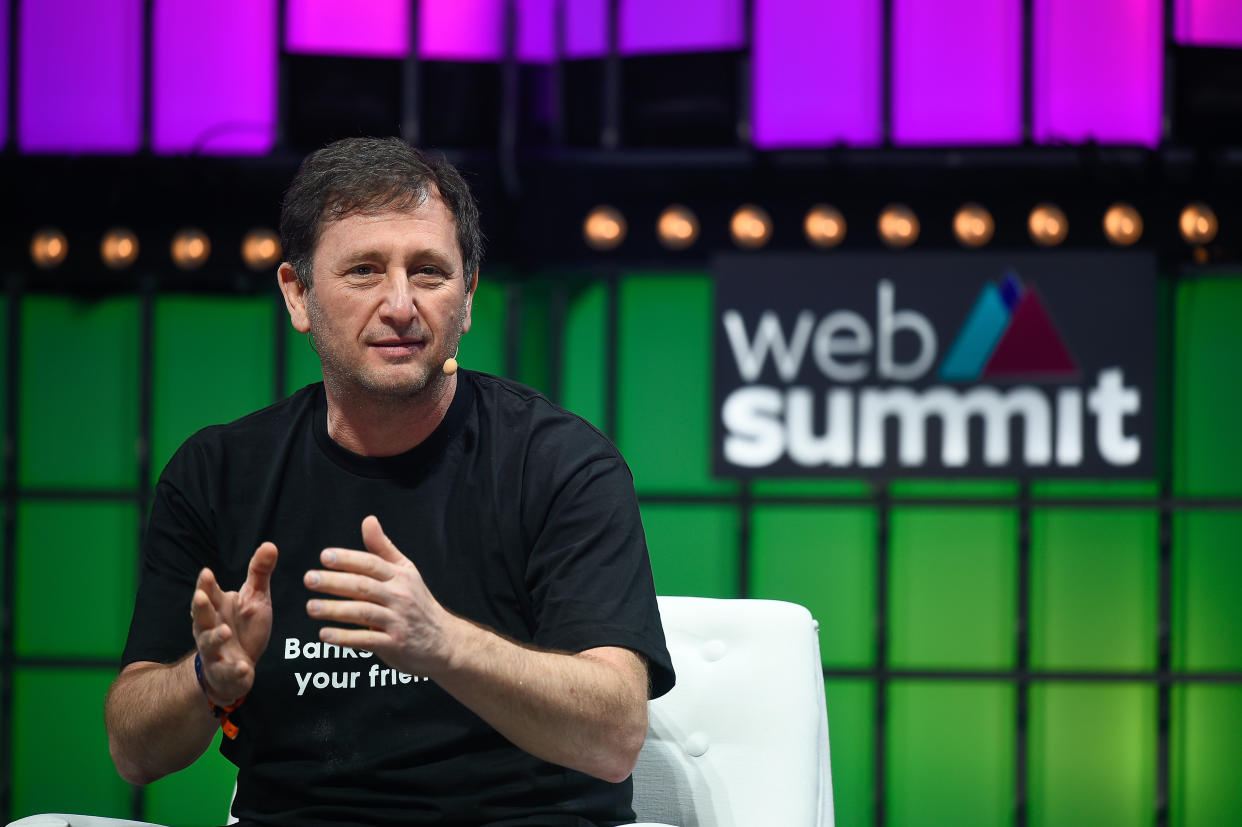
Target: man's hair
(372,175)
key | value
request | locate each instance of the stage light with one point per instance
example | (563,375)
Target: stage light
(898,226)
(118,249)
(824,226)
(261,249)
(751,227)
(1198,223)
(973,225)
(677,227)
(1047,225)
(48,248)
(604,228)
(190,249)
(1122,224)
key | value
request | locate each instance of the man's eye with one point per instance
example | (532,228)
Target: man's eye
(363,270)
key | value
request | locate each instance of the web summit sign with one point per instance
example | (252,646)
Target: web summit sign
(965,364)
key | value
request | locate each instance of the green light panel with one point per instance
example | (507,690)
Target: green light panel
(536,349)
(62,763)
(664,383)
(197,796)
(1207,399)
(301,361)
(1094,589)
(585,350)
(969,488)
(1207,591)
(693,549)
(1092,754)
(824,559)
(851,736)
(75,578)
(96,369)
(483,348)
(1205,753)
(213,364)
(952,587)
(949,757)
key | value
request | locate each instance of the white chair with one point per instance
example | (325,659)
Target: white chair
(740,741)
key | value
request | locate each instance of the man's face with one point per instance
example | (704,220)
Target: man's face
(389,300)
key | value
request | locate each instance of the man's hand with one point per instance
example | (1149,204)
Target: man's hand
(406,626)
(586,710)
(231,629)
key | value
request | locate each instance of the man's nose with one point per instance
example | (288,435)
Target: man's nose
(398,305)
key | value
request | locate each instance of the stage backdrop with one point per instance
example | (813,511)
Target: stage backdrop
(985,640)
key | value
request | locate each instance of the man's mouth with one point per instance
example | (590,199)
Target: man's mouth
(398,347)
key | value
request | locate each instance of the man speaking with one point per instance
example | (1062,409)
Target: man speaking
(416,594)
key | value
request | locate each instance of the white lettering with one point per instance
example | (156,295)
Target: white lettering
(291,648)
(752,417)
(836,446)
(1110,400)
(954,410)
(888,323)
(769,337)
(843,333)
(303,678)
(1069,426)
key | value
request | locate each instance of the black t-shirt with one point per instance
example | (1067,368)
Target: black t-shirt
(518,515)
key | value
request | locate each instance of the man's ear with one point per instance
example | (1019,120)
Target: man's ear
(474,283)
(294,292)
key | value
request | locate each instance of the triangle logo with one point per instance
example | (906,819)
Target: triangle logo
(1030,345)
(1008,333)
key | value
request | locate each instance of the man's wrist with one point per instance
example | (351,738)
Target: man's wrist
(220,711)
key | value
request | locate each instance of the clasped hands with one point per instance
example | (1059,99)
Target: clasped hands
(380,590)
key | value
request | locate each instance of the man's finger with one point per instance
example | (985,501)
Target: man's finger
(371,641)
(359,562)
(377,541)
(209,586)
(210,640)
(344,584)
(262,564)
(357,612)
(202,611)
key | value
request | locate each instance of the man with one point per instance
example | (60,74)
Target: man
(486,655)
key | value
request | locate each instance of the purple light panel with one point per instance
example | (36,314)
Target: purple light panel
(214,77)
(536,33)
(957,72)
(1208,22)
(461,29)
(4,72)
(79,76)
(1098,67)
(652,26)
(354,28)
(816,73)
(586,28)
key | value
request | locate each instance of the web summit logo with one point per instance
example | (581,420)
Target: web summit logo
(841,391)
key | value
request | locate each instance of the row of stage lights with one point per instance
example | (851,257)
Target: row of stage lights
(190,249)
(824,226)
(677,229)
